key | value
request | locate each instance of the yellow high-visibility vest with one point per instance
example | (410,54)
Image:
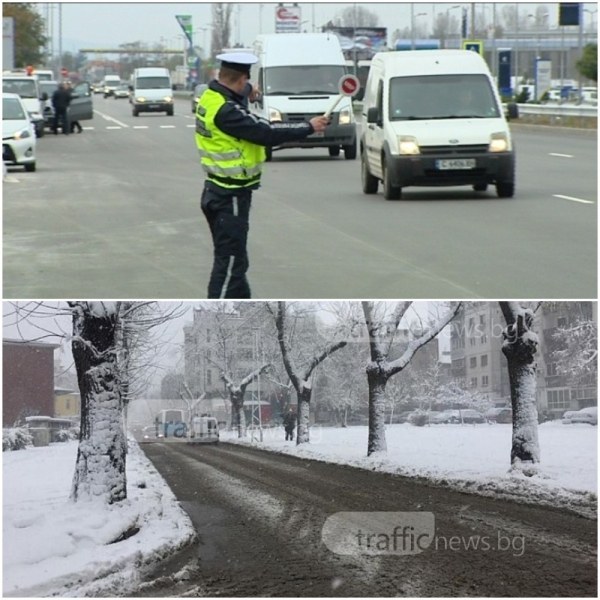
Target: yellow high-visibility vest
(228,161)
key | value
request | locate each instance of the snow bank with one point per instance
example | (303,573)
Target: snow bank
(52,546)
(471,458)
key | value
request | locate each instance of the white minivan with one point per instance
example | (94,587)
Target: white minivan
(434,118)
(204,430)
(152,91)
(298,76)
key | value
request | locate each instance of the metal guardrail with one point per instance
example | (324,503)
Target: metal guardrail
(559,110)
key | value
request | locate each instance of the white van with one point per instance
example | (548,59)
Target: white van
(204,430)
(298,75)
(152,91)
(434,118)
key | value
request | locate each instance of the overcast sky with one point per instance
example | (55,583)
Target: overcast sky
(92,24)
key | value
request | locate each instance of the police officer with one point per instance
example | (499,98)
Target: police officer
(231,141)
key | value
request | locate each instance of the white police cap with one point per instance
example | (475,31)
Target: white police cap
(238,61)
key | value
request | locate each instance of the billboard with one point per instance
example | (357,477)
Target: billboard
(363,40)
(287,19)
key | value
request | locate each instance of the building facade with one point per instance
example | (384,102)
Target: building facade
(478,361)
(27,380)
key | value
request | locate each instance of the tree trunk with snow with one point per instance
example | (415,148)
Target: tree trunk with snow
(377,383)
(101,455)
(519,346)
(303,433)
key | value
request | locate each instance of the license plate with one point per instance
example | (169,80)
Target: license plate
(153,106)
(455,163)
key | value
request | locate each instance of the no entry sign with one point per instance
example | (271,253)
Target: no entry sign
(349,85)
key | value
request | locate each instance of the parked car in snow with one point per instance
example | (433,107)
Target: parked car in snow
(566,418)
(586,415)
(499,415)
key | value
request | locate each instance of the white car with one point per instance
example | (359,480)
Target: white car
(586,415)
(18,133)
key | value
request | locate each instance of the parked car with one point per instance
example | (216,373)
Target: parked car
(499,415)
(28,88)
(566,418)
(18,133)
(198,91)
(121,92)
(446,416)
(586,415)
(469,415)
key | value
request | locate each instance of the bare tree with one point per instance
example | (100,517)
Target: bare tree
(300,377)
(221,26)
(357,16)
(382,327)
(237,393)
(519,346)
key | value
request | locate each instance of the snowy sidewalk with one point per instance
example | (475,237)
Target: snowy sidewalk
(470,458)
(54,547)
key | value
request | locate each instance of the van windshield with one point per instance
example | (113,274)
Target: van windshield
(26,88)
(309,79)
(152,83)
(442,97)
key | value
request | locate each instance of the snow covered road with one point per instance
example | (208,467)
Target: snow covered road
(260,517)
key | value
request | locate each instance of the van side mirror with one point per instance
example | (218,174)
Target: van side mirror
(373,115)
(44,96)
(130,88)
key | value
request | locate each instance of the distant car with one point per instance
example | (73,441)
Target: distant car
(586,415)
(121,92)
(149,433)
(97,88)
(18,133)
(499,415)
(204,430)
(566,418)
(198,91)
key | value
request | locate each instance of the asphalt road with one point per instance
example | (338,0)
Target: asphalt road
(260,516)
(114,213)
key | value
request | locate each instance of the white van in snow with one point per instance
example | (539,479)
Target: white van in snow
(298,75)
(152,91)
(434,118)
(204,430)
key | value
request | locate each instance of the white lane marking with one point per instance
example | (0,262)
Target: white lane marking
(111,119)
(113,127)
(190,126)
(561,155)
(141,127)
(167,126)
(572,199)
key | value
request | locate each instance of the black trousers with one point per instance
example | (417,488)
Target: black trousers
(61,117)
(227,214)
(289,433)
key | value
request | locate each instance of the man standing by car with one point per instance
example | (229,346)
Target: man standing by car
(61,99)
(231,142)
